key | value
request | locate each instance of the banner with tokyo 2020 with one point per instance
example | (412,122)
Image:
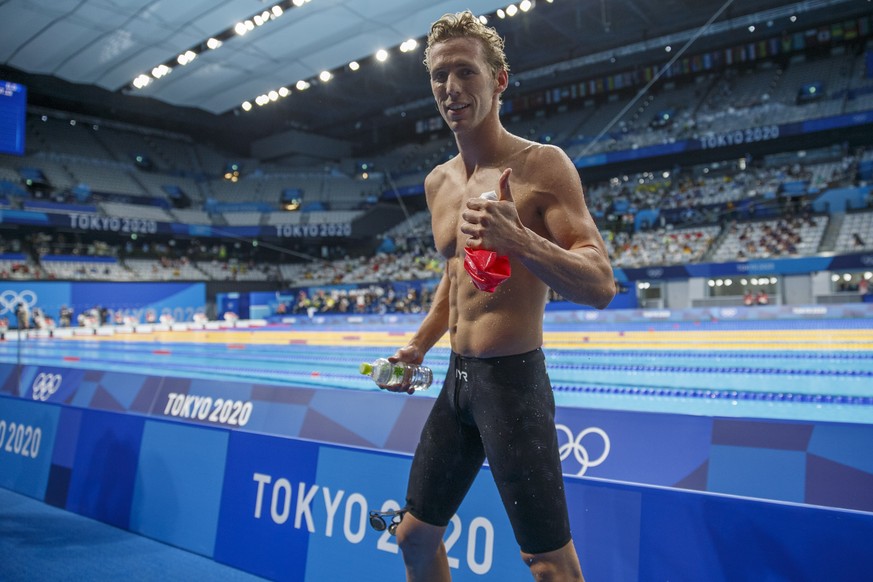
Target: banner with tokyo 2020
(291,509)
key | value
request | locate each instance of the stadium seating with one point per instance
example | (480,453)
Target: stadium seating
(661,217)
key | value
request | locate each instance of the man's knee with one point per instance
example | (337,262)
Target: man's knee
(561,564)
(417,539)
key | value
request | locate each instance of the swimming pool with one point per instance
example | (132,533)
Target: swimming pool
(801,370)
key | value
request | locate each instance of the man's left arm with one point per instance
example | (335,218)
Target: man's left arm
(570,256)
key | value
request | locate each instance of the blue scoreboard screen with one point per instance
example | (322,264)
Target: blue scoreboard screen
(13,105)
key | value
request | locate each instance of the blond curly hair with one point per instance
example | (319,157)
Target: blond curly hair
(466,25)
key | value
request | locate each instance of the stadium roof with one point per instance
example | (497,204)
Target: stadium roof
(87,53)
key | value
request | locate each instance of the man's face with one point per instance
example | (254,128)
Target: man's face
(463,85)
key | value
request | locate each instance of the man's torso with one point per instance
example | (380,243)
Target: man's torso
(509,320)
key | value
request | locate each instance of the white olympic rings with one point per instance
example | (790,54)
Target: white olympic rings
(574,445)
(46,384)
(10,299)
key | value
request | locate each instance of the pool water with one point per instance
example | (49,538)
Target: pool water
(782,370)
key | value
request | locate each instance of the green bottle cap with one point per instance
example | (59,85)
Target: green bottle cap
(366,369)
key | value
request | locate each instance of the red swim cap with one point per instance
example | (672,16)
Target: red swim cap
(487,268)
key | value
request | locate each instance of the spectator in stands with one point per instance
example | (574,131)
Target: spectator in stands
(303,303)
(762,298)
(65,317)
(38,318)
(857,241)
(22,314)
(542,224)
(41,320)
(748,298)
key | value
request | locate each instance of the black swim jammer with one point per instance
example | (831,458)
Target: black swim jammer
(501,409)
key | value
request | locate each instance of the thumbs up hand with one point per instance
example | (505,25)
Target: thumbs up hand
(491,221)
(484,221)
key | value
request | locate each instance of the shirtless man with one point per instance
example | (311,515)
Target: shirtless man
(496,401)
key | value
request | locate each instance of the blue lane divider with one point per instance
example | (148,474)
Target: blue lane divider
(786,397)
(736,354)
(707,370)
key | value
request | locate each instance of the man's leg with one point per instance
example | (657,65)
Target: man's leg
(448,458)
(558,565)
(515,412)
(423,551)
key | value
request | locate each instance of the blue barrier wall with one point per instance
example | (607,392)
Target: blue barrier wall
(291,509)
(814,462)
(181,300)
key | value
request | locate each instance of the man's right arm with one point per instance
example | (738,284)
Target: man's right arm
(436,322)
(432,328)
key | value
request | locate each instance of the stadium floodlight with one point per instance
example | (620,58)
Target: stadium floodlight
(382,55)
(186,57)
(141,81)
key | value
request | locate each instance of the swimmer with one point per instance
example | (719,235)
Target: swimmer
(496,402)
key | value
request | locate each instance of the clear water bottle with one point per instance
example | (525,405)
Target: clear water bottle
(384,373)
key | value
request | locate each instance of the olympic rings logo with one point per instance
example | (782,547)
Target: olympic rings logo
(575,446)
(9,300)
(45,385)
